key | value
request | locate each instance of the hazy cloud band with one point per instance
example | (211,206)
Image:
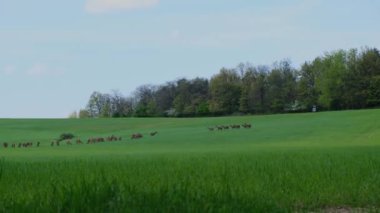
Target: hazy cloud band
(103,6)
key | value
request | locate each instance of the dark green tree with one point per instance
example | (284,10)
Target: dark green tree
(369,73)
(308,91)
(165,96)
(225,90)
(254,88)
(282,87)
(145,101)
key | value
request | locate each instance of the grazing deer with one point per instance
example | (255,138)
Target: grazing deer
(235,126)
(153,133)
(136,136)
(247,126)
(5,145)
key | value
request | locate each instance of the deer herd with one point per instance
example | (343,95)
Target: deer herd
(91,140)
(232,126)
(112,138)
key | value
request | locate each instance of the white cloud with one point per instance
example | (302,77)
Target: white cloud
(43,70)
(102,6)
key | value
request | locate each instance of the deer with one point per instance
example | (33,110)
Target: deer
(136,136)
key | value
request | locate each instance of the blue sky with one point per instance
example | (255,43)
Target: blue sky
(54,54)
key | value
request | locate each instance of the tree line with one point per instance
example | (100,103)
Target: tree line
(337,80)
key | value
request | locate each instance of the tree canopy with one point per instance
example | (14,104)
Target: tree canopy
(337,80)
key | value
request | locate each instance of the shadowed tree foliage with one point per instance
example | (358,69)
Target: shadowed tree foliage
(282,87)
(191,97)
(368,69)
(253,97)
(145,101)
(225,90)
(165,96)
(308,91)
(120,105)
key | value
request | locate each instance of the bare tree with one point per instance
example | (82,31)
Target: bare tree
(73,115)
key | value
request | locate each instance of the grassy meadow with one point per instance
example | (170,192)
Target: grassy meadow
(284,163)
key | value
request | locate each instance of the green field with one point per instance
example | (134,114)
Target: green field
(284,163)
